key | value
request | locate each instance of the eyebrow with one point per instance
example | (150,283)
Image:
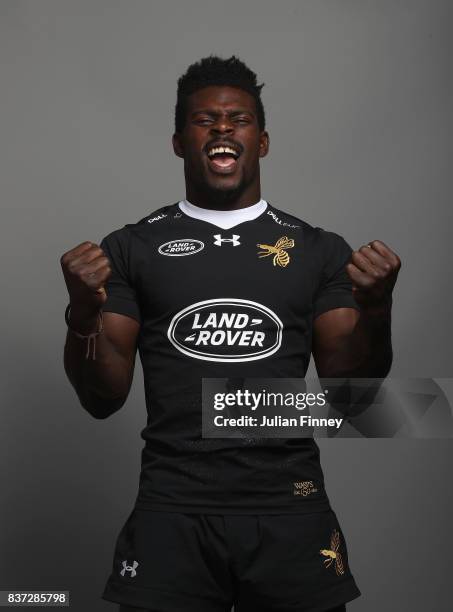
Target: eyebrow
(209,111)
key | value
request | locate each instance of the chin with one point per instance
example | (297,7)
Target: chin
(224,192)
(233,184)
(224,186)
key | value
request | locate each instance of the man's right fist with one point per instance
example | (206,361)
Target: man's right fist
(86,270)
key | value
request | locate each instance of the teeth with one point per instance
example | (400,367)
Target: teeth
(215,150)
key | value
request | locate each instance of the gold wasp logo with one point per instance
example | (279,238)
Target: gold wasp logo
(281,257)
(334,554)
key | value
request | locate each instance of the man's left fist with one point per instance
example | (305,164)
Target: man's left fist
(373,270)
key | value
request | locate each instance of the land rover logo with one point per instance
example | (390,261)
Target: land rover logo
(226,329)
(183,246)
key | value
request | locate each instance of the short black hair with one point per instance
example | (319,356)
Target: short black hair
(214,70)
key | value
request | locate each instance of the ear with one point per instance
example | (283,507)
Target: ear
(178,147)
(264,144)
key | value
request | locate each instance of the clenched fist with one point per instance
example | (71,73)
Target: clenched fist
(86,270)
(373,271)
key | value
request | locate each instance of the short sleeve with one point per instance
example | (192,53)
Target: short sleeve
(335,288)
(121,296)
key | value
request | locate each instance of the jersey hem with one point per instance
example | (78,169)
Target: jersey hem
(330,598)
(333,301)
(146,597)
(122,306)
(312,507)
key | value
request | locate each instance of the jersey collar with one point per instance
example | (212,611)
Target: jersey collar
(224,219)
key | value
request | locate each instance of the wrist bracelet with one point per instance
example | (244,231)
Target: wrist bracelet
(90,337)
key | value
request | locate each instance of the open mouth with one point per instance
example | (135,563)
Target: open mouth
(223,158)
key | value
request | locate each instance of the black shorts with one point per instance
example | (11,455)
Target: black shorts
(183,562)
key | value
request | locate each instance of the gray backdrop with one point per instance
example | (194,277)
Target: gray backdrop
(358,97)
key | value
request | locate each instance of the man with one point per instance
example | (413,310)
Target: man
(216,521)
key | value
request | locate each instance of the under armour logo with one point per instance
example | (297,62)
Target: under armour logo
(129,568)
(234,240)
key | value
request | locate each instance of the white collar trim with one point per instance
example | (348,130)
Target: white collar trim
(224,219)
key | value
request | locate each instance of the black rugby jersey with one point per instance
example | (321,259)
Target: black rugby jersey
(172,272)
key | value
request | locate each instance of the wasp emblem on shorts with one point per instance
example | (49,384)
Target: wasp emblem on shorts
(333,554)
(281,257)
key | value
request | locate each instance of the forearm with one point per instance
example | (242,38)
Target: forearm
(101,384)
(367,351)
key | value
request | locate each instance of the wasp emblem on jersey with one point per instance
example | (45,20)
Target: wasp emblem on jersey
(281,257)
(333,554)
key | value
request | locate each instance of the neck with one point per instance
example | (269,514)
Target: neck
(216,199)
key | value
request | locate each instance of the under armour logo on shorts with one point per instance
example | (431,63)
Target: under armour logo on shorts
(129,568)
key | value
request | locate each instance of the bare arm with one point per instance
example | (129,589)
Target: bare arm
(349,344)
(352,344)
(102,384)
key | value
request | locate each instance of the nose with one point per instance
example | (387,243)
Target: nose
(222,126)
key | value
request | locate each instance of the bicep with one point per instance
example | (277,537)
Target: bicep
(331,330)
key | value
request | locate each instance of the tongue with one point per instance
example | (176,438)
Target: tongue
(223,161)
